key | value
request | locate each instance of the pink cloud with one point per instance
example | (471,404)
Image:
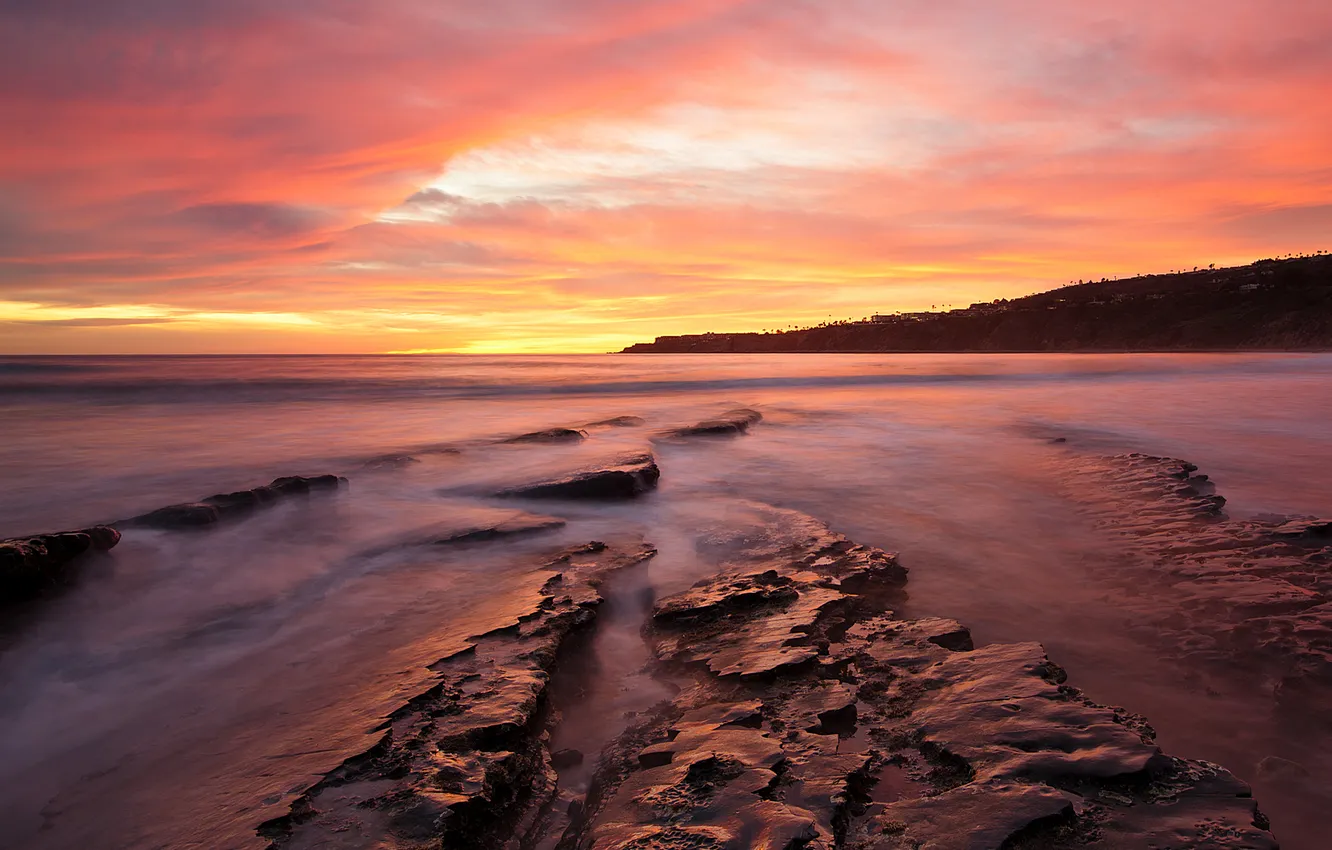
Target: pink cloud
(696,157)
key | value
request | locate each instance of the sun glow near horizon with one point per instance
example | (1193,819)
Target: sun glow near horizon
(573,177)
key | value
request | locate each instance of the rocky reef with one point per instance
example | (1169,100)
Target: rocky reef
(467,763)
(732,423)
(805,714)
(213,509)
(625,478)
(30,566)
(1254,593)
(551,435)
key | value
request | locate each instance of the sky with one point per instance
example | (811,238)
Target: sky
(333,176)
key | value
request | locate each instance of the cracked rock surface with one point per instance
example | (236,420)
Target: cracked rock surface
(804,714)
(1256,593)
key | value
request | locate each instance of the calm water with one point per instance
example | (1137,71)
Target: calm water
(182,691)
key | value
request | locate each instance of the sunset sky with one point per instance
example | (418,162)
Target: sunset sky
(578,175)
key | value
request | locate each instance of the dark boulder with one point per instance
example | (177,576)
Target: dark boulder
(30,565)
(240,502)
(628,479)
(293,484)
(552,435)
(209,511)
(733,423)
(617,422)
(188,515)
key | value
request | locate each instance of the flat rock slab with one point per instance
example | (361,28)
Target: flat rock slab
(550,435)
(505,526)
(732,423)
(213,509)
(979,816)
(1252,593)
(805,714)
(807,694)
(627,478)
(467,761)
(617,422)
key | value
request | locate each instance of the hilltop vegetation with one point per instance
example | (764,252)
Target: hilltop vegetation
(1270,304)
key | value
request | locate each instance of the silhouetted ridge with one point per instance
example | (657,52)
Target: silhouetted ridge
(1270,304)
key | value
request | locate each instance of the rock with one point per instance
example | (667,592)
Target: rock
(1305,529)
(464,764)
(293,484)
(1248,593)
(983,748)
(501,527)
(804,714)
(31,565)
(974,817)
(617,422)
(244,501)
(390,462)
(210,510)
(628,479)
(188,515)
(564,759)
(733,423)
(103,537)
(552,435)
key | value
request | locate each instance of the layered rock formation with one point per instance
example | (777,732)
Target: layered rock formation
(467,763)
(732,423)
(626,478)
(512,525)
(805,715)
(213,509)
(1254,593)
(551,435)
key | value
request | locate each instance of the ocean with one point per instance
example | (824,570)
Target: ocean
(191,682)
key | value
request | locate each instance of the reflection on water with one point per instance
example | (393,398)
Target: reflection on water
(191,682)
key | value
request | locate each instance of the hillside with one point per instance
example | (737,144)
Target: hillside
(1270,304)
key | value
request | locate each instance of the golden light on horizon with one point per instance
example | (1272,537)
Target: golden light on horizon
(582,176)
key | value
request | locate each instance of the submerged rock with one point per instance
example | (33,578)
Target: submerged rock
(617,422)
(552,435)
(451,533)
(390,462)
(733,423)
(31,565)
(628,478)
(1217,590)
(209,511)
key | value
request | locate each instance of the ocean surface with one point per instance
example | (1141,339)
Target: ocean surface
(190,683)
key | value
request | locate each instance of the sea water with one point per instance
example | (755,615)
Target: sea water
(189,683)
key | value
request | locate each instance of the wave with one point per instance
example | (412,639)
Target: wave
(72,387)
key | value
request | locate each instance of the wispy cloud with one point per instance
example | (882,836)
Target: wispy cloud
(574,174)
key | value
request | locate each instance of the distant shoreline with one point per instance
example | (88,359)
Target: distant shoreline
(1318,350)
(1267,306)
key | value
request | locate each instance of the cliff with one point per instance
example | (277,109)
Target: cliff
(1270,304)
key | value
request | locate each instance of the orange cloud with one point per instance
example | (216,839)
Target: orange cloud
(577,174)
